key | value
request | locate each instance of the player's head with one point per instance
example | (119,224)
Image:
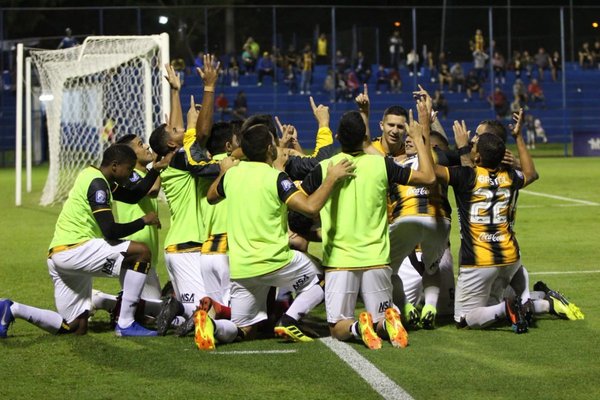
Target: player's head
(165,139)
(258,144)
(438,140)
(392,125)
(220,138)
(492,126)
(262,119)
(118,161)
(489,151)
(236,131)
(141,149)
(351,131)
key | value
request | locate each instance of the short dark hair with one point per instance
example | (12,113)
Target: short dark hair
(127,138)
(262,119)
(491,150)
(351,131)
(119,153)
(396,110)
(220,134)
(236,129)
(255,141)
(159,140)
(495,127)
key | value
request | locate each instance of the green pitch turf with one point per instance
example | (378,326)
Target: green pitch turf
(557,228)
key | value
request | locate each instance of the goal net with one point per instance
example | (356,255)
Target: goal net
(95,93)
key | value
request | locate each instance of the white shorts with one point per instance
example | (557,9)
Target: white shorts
(249,295)
(412,282)
(72,271)
(475,287)
(186,275)
(215,274)
(342,288)
(408,232)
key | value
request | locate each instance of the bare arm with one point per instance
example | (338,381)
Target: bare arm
(209,74)
(213,195)
(424,175)
(527,165)
(176,115)
(363,103)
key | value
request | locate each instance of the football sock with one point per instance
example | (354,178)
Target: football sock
(483,316)
(49,321)
(541,306)
(132,288)
(152,287)
(103,301)
(432,293)
(225,330)
(178,320)
(355,331)
(306,301)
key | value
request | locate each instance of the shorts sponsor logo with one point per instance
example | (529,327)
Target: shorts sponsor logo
(108,267)
(100,196)
(495,237)
(187,298)
(384,305)
(300,282)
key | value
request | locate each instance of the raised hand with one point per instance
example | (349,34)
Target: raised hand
(321,113)
(172,77)
(423,113)
(515,129)
(424,96)
(209,71)
(192,114)
(413,128)
(341,170)
(362,101)
(461,134)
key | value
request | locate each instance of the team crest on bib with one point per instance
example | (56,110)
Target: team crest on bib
(134,177)
(100,196)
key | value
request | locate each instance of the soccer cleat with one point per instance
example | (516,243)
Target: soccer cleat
(367,333)
(186,328)
(204,331)
(170,308)
(6,317)
(134,329)
(559,305)
(287,328)
(428,314)
(393,325)
(528,312)
(515,315)
(214,309)
(411,315)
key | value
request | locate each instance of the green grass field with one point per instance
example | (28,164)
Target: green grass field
(558,359)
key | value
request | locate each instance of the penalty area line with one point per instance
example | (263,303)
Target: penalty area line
(381,383)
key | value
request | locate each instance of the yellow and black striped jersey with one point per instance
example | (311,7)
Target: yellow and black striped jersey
(485,200)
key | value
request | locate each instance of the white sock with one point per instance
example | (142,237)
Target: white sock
(178,320)
(132,289)
(354,330)
(432,293)
(152,287)
(541,306)
(49,321)
(225,330)
(306,301)
(103,301)
(481,317)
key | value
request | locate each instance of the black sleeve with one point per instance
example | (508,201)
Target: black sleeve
(204,167)
(99,200)
(396,173)
(298,167)
(461,178)
(221,187)
(137,190)
(285,187)
(518,179)
(325,152)
(313,180)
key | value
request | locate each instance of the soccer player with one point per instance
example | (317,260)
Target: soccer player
(258,196)
(87,243)
(489,254)
(356,246)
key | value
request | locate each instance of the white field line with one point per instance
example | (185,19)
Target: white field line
(387,388)
(555,205)
(551,196)
(238,352)
(564,272)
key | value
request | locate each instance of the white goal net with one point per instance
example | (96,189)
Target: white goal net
(95,93)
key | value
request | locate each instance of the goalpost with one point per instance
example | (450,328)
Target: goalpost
(92,94)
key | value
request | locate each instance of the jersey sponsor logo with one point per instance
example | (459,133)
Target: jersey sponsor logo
(384,305)
(495,237)
(187,298)
(499,180)
(286,185)
(418,191)
(108,267)
(134,177)
(300,282)
(100,196)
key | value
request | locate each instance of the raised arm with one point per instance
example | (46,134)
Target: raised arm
(209,74)
(424,175)
(527,165)
(461,138)
(176,115)
(364,106)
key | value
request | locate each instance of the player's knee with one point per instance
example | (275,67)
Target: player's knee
(79,326)
(139,252)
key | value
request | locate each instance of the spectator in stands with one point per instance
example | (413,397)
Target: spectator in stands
(520,91)
(458,77)
(500,102)
(473,84)
(222,105)
(68,41)
(253,47)
(292,58)
(555,65)
(353,85)
(543,62)
(396,49)
(266,67)
(248,61)
(322,50)
(234,72)
(517,104)
(536,94)
(240,106)
(341,62)
(540,132)
(529,131)
(291,80)
(527,63)
(596,54)
(382,79)
(499,64)
(412,63)
(516,64)
(444,76)
(395,80)
(362,68)
(440,104)
(479,60)
(308,59)
(586,56)
(478,41)
(199,60)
